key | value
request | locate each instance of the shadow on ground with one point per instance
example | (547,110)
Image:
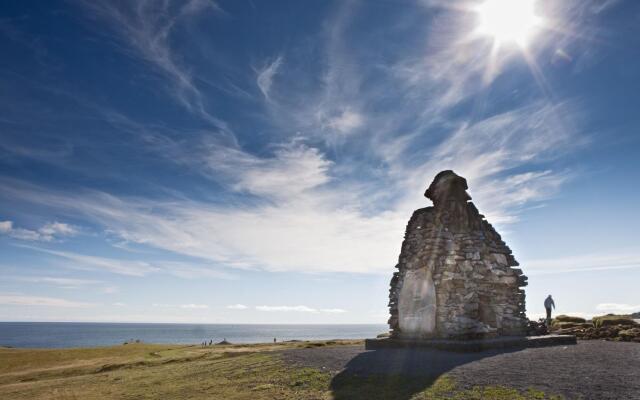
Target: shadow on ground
(398,374)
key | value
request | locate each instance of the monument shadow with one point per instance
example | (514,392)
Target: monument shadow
(398,374)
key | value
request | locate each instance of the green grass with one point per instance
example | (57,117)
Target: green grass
(141,371)
(413,388)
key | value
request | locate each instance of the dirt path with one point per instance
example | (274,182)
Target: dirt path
(588,370)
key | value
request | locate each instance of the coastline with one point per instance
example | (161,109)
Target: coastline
(84,334)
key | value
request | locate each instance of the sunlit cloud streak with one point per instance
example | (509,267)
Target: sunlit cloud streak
(265,76)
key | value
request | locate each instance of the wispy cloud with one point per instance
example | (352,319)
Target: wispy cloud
(19,300)
(333,310)
(46,233)
(64,282)
(286,308)
(265,76)
(293,169)
(131,267)
(190,306)
(337,106)
(620,308)
(303,309)
(81,261)
(67,283)
(146,27)
(195,306)
(345,121)
(192,270)
(596,7)
(237,307)
(110,289)
(584,262)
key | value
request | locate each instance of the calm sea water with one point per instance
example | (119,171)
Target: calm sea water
(70,334)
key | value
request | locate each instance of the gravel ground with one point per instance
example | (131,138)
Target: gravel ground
(588,370)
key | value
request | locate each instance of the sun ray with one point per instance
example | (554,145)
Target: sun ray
(538,76)
(492,64)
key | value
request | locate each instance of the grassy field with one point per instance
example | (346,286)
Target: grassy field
(142,371)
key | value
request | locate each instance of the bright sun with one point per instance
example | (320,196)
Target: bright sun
(508,21)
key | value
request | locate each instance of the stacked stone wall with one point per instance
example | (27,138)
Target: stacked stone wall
(456,277)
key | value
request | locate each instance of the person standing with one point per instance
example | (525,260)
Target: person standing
(548,303)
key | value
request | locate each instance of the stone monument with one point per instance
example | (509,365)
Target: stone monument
(456,277)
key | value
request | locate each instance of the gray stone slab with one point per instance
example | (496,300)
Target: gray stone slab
(502,342)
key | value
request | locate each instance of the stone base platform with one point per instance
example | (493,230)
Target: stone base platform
(503,342)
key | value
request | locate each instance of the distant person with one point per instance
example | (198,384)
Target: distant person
(548,303)
(274,340)
(210,342)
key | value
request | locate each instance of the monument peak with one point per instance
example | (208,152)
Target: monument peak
(447,185)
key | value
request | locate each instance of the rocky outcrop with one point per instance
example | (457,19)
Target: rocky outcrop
(537,328)
(608,327)
(455,275)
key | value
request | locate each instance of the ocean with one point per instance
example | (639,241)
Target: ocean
(81,334)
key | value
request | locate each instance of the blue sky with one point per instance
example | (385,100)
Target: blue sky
(256,162)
